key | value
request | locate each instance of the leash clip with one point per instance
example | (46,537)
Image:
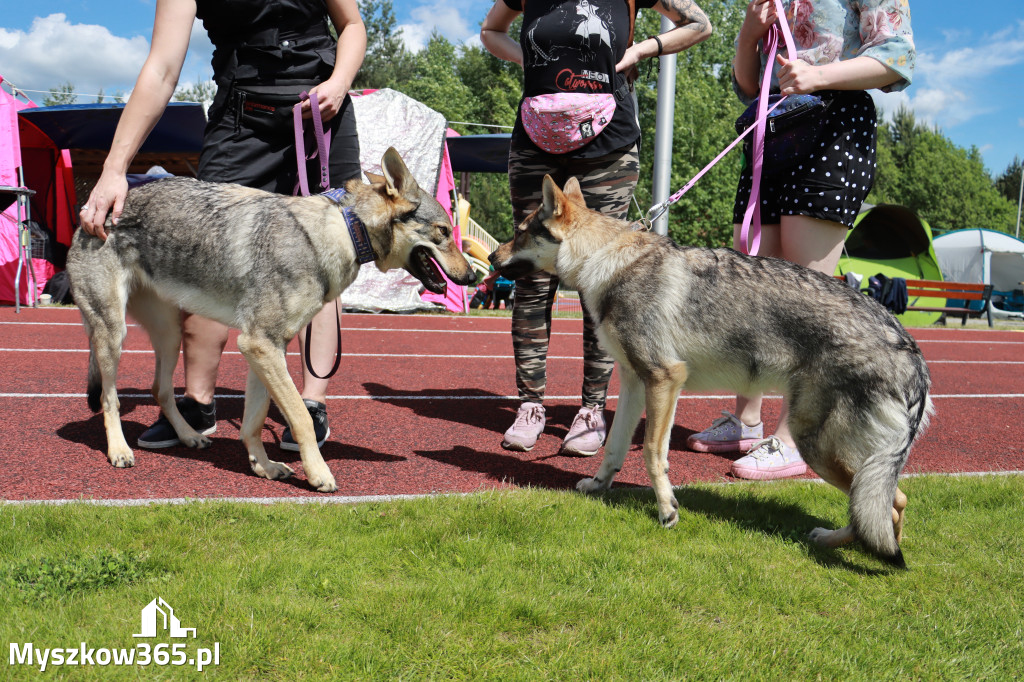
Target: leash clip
(653,213)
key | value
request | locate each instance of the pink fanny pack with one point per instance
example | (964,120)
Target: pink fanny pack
(564,121)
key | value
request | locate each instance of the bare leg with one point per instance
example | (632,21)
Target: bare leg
(204,341)
(322,353)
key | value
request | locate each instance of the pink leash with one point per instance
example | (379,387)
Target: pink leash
(750,233)
(323,142)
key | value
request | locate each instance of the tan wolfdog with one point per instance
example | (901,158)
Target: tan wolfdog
(260,262)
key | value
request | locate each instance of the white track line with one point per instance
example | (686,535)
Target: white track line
(685,396)
(363,499)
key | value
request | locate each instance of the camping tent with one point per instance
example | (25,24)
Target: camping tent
(894,241)
(30,159)
(988,257)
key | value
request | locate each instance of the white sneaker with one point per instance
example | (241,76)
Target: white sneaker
(768,459)
(526,429)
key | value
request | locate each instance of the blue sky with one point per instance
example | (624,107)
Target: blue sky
(968,80)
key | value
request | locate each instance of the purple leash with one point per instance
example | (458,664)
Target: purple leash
(323,141)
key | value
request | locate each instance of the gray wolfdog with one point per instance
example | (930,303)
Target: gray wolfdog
(262,263)
(697,318)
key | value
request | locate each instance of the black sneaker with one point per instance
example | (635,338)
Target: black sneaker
(202,418)
(318,411)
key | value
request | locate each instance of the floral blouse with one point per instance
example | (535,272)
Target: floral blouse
(828,31)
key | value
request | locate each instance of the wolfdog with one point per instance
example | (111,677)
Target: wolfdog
(699,318)
(262,263)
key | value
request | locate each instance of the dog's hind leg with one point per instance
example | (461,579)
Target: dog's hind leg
(662,396)
(103,317)
(841,478)
(267,360)
(162,321)
(257,402)
(627,416)
(898,505)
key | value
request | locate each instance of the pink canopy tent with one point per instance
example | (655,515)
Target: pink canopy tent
(28,158)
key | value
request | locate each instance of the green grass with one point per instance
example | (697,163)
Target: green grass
(531,585)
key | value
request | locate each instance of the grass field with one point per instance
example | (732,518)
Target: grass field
(528,585)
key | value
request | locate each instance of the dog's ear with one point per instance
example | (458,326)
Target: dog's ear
(374,178)
(572,191)
(553,198)
(398,181)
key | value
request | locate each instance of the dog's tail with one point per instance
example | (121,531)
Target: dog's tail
(874,485)
(94,387)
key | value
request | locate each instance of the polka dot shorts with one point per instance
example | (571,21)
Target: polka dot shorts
(830,184)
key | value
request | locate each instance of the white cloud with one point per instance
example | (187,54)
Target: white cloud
(448,19)
(950,88)
(53,52)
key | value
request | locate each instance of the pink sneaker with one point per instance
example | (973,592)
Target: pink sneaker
(526,429)
(726,434)
(768,459)
(587,433)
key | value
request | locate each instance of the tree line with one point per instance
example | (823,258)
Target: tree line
(918,166)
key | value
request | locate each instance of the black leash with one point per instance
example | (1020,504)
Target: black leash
(337,357)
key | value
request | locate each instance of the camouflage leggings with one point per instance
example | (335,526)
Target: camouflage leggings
(607,184)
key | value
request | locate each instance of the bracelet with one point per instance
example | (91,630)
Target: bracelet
(660,47)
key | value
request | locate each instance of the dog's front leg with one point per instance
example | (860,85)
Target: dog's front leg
(257,402)
(267,360)
(627,416)
(662,396)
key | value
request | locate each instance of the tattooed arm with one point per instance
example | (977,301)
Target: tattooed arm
(692,27)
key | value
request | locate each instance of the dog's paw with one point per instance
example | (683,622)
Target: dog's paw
(323,483)
(274,471)
(669,520)
(122,459)
(198,441)
(823,537)
(591,486)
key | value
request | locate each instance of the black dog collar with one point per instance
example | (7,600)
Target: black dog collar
(356,228)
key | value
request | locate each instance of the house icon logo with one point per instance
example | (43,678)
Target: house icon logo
(158,614)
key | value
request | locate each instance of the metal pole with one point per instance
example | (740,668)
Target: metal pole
(1020,197)
(663,131)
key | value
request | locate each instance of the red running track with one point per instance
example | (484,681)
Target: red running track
(418,407)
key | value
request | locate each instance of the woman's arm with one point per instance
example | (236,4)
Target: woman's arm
(692,27)
(153,90)
(746,65)
(860,73)
(351,52)
(494,33)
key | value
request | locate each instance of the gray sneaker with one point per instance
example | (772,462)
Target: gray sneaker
(526,429)
(726,434)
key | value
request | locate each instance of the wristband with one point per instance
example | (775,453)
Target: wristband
(660,48)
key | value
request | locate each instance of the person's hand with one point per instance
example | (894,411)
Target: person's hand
(760,16)
(630,62)
(107,196)
(329,95)
(797,77)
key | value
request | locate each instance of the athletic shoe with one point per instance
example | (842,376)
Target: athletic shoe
(770,458)
(587,433)
(318,411)
(526,429)
(726,434)
(202,418)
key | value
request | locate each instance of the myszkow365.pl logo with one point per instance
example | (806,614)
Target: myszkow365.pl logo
(157,619)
